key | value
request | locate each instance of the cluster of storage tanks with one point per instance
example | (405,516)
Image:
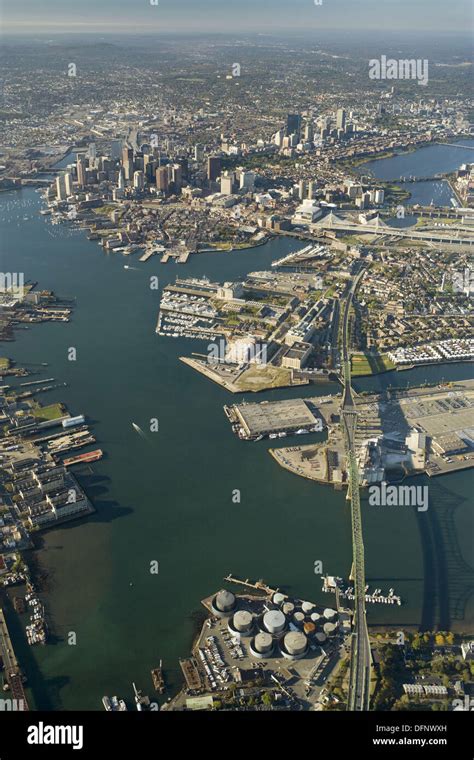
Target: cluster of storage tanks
(283,627)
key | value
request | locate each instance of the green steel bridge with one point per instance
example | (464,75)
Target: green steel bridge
(359,681)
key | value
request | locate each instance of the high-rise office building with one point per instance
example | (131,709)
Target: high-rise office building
(138,180)
(177,176)
(162,182)
(81,172)
(227,183)
(116,149)
(309,132)
(149,166)
(278,137)
(293,124)
(341,118)
(247,180)
(127,162)
(61,194)
(214,166)
(68,184)
(184,164)
(121,179)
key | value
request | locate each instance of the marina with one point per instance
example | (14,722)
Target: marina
(337,586)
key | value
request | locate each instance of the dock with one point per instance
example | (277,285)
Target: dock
(158,679)
(147,255)
(259,585)
(12,669)
(191,674)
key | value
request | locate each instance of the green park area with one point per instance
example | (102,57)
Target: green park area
(370,364)
(51,412)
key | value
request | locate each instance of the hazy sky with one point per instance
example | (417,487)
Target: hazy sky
(262,16)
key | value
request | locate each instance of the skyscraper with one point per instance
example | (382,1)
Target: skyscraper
(149,166)
(309,132)
(138,180)
(293,124)
(227,183)
(341,118)
(247,180)
(213,168)
(162,182)
(81,172)
(177,176)
(68,184)
(116,149)
(61,188)
(127,162)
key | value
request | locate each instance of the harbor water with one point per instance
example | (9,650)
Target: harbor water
(167,496)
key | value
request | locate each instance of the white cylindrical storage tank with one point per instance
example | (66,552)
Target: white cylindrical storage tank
(329,614)
(307,607)
(315,617)
(295,644)
(329,628)
(242,621)
(263,643)
(320,637)
(223,603)
(288,608)
(278,598)
(274,621)
(261,646)
(298,618)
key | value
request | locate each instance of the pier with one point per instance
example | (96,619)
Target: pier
(12,668)
(257,586)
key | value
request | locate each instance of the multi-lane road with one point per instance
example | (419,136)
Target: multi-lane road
(359,681)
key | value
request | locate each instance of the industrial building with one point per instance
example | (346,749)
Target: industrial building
(268,417)
(297,356)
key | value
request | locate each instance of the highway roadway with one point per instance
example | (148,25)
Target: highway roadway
(359,679)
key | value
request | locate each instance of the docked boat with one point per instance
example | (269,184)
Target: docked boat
(90,456)
(158,679)
(141,702)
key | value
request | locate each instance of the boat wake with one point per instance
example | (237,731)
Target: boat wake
(140,432)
